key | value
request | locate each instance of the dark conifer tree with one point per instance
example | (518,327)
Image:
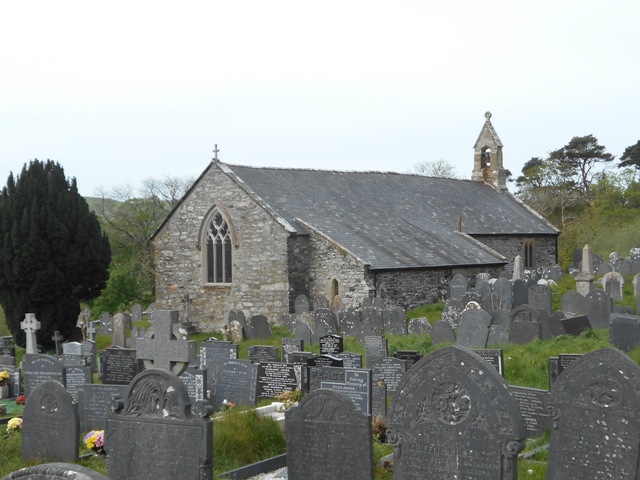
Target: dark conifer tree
(53,253)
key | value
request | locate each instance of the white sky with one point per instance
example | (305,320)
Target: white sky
(120,91)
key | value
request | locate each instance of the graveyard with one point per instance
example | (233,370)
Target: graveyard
(509,378)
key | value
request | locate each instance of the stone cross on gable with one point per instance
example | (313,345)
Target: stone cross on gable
(161,347)
(57,338)
(30,325)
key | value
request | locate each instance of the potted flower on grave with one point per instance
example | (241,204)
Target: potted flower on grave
(4,385)
(94,440)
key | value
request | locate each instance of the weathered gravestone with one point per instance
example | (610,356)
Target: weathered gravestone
(411,356)
(453,417)
(301,304)
(389,369)
(532,403)
(263,353)
(290,345)
(236,331)
(419,326)
(458,286)
(195,379)
(575,325)
(520,293)
(473,329)
(613,284)
(320,432)
(351,321)
(75,378)
(163,345)
(442,333)
(94,404)
(503,292)
(525,325)
(597,308)
(136,313)
(375,347)
(595,409)
(494,357)
(232,380)
(55,471)
(540,298)
(624,332)
(38,368)
(50,425)
(258,328)
(119,366)
(395,320)
(119,331)
(550,325)
(155,432)
(573,302)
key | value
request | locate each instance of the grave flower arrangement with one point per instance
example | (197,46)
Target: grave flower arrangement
(14,425)
(4,376)
(21,400)
(94,440)
(227,405)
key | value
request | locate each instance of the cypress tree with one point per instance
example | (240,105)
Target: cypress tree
(53,253)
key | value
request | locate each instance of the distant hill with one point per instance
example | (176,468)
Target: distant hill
(108,204)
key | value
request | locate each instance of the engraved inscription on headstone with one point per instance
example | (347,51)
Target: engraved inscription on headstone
(353,383)
(119,366)
(275,378)
(533,407)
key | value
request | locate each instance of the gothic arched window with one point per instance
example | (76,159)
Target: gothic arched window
(219,254)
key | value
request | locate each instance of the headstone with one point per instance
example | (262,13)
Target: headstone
(119,366)
(555,273)
(353,383)
(94,404)
(473,330)
(331,344)
(613,284)
(351,321)
(494,357)
(442,333)
(525,325)
(604,268)
(624,332)
(350,359)
(106,324)
(395,320)
(290,345)
(75,378)
(503,290)
(452,310)
(195,379)
(520,293)
(263,353)
(213,349)
(119,331)
(410,356)
(419,326)
(323,415)
(540,298)
(379,398)
(595,409)
(636,285)
(389,369)
(50,425)
(532,403)
(453,417)
(30,326)
(14,381)
(573,302)
(373,317)
(90,352)
(575,325)
(38,368)
(598,308)
(301,304)
(458,286)
(258,329)
(141,433)
(325,361)
(93,329)
(551,325)
(236,331)
(518,269)
(232,380)
(498,335)
(276,378)
(375,347)
(72,348)
(163,345)
(136,313)
(55,471)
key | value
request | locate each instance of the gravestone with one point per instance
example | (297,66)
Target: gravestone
(232,380)
(373,317)
(540,298)
(195,379)
(55,471)
(379,399)
(276,378)
(93,329)
(263,353)
(163,345)
(353,383)
(458,286)
(136,313)
(331,344)
(50,425)
(636,285)
(573,302)
(575,325)
(119,331)
(30,326)
(351,321)
(555,273)
(532,403)
(395,321)
(320,416)
(525,325)
(442,333)
(595,407)
(350,359)
(141,434)
(551,325)
(498,335)
(613,284)
(389,369)
(411,356)
(502,289)
(598,308)
(419,326)
(94,404)
(473,329)
(301,304)
(75,378)
(290,345)
(325,361)
(72,348)
(520,293)
(38,368)
(236,331)
(213,349)
(624,332)
(494,357)
(453,417)
(258,329)
(90,352)
(14,381)
(106,324)
(375,347)
(452,310)
(119,366)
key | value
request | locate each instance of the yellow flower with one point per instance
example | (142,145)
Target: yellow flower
(14,425)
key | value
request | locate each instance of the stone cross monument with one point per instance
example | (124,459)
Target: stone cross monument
(30,325)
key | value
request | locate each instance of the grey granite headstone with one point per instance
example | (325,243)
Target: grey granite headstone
(276,378)
(320,430)
(473,329)
(419,326)
(141,436)
(232,380)
(453,417)
(598,308)
(353,383)
(540,298)
(595,410)
(325,361)
(263,353)
(119,366)
(50,425)
(94,404)
(442,333)
(331,344)
(38,368)
(55,471)
(624,332)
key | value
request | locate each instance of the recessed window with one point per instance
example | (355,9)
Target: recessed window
(528,246)
(219,254)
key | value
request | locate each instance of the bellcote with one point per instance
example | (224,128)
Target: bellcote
(487,160)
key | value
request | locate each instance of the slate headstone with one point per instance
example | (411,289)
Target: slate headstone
(575,325)
(419,326)
(502,288)
(75,378)
(624,332)
(331,344)
(232,380)
(598,308)
(458,286)
(540,298)
(532,403)
(389,369)
(473,330)
(290,345)
(263,353)
(195,379)
(613,284)
(119,366)
(573,302)
(94,404)
(38,368)
(494,357)
(350,359)
(410,356)
(525,325)
(520,293)
(276,378)
(353,383)
(375,347)
(442,333)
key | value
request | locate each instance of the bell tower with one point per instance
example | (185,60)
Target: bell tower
(487,159)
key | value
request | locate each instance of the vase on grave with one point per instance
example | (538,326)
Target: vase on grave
(4,391)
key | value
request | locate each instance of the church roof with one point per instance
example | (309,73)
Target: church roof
(392,220)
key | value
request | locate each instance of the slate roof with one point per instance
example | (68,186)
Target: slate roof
(392,220)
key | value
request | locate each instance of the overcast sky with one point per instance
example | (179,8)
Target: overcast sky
(120,91)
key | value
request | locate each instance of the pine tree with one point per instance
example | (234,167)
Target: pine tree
(53,253)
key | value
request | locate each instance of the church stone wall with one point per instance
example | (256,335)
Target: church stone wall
(260,281)
(544,250)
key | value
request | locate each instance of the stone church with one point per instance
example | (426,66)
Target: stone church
(253,239)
